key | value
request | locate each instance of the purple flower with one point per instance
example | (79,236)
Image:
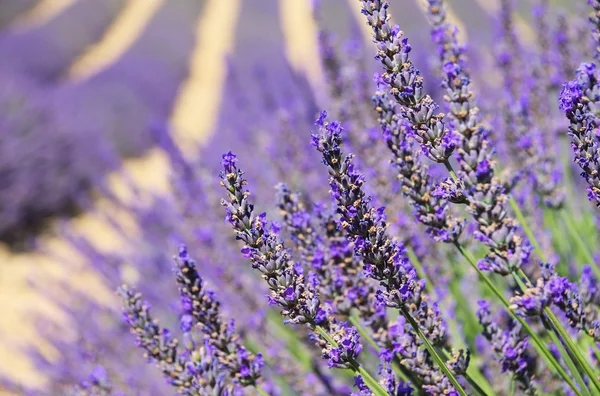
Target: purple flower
(229,161)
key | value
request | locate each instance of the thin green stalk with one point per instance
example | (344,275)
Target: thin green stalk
(515,206)
(513,386)
(580,242)
(537,342)
(261,391)
(416,263)
(563,352)
(471,378)
(450,169)
(365,334)
(433,352)
(369,380)
(572,347)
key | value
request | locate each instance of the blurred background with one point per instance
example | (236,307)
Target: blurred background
(85,85)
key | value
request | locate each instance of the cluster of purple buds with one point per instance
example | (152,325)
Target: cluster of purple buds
(579,100)
(265,249)
(406,84)
(477,186)
(191,371)
(510,348)
(430,204)
(202,309)
(384,259)
(97,384)
(328,257)
(577,301)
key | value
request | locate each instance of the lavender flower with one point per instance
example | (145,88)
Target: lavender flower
(578,100)
(202,309)
(577,302)
(328,257)
(384,259)
(267,253)
(484,193)
(97,384)
(430,204)
(510,348)
(190,371)
(406,84)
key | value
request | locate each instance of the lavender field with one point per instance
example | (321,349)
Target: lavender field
(282,197)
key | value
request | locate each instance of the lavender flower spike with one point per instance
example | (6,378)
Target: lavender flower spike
(266,251)
(202,308)
(97,384)
(580,100)
(430,203)
(510,348)
(384,259)
(406,84)
(191,372)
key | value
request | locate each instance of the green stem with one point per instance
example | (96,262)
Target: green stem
(470,378)
(572,347)
(513,386)
(416,263)
(261,391)
(433,352)
(580,242)
(563,352)
(515,206)
(364,333)
(369,380)
(450,169)
(537,342)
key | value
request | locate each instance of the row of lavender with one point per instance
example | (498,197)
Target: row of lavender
(61,137)
(434,274)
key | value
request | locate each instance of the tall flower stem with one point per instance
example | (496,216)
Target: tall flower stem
(539,345)
(261,391)
(369,380)
(433,352)
(580,242)
(521,217)
(567,357)
(571,347)
(416,263)
(355,321)
(556,340)
(459,297)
